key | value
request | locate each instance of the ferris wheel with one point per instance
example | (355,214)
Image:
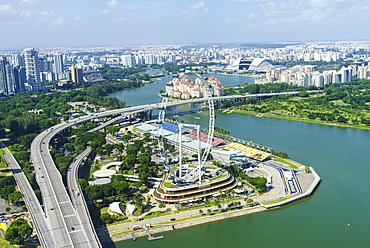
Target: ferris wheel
(161,115)
(190,174)
(195,174)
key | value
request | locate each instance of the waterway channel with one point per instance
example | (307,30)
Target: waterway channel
(340,156)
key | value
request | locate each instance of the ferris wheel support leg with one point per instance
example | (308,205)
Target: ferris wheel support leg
(180,151)
(199,155)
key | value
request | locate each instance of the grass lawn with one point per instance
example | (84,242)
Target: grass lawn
(339,103)
(167,184)
(5,244)
(293,166)
(104,210)
(2,160)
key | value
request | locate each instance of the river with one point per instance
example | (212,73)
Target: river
(339,155)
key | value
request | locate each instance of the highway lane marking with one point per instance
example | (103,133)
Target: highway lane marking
(64,202)
(70,215)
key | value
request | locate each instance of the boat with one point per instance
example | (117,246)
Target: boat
(197,117)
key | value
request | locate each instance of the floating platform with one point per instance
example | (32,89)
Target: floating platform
(150,238)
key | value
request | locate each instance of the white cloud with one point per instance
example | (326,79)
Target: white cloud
(58,21)
(112,3)
(143,7)
(6,8)
(29,2)
(104,11)
(77,18)
(185,19)
(198,5)
(228,19)
(326,3)
(252,15)
(279,12)
(198,8)
(120,19)
(255,1)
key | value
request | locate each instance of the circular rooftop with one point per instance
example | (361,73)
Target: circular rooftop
(104,173)
(102,181)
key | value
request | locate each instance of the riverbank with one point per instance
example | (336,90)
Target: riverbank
(171,226)
(299,119)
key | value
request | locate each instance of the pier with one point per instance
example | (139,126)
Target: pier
(150,237)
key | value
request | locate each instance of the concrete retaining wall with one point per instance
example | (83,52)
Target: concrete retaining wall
(184,224)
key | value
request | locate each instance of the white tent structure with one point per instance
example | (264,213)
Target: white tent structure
(115,208)
(131,208)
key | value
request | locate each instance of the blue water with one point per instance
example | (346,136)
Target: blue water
(340,156)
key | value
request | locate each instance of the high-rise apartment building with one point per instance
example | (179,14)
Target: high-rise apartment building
(18,60)
(32,69)
(150,59)
(7,79)
(58,63)
(128,60)
(20,78)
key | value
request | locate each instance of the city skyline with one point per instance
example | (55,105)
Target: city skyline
(41,23)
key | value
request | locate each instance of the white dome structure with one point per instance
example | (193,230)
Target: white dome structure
(256,64)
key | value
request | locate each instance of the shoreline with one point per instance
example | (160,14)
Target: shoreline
(204,219)
(300,120)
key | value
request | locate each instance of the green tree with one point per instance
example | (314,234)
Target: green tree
(83,183)
(69,147)
(16,232)
(162,205)
(15,197)
(94,192)
(144,158)
(106,218)
(303,94)
(129,161)
(119,147)
(113,129)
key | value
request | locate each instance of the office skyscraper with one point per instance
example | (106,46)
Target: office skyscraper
(32,69)
(76,74)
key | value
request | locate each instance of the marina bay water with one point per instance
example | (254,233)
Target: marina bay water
(339,155)
(149,94)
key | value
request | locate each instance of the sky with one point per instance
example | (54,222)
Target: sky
(83,23)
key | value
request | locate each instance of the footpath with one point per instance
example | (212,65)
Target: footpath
(182,224)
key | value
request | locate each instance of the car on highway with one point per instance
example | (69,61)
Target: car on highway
(136,227)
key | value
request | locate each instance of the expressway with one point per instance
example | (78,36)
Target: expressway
(66,223)
(30,199)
